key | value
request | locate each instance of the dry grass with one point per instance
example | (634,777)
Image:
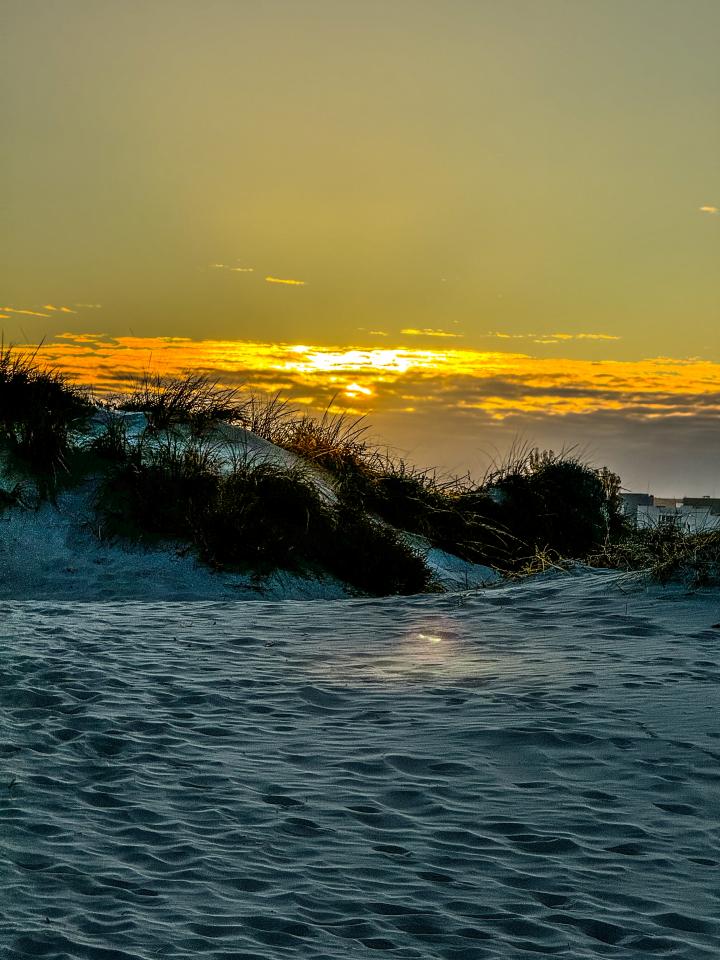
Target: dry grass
(543,560)
(665,554)
(334,441)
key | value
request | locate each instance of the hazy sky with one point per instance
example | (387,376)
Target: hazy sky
(536,169)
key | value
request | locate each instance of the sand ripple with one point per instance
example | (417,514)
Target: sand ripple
(530,770)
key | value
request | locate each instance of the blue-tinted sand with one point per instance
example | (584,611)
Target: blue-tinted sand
(530,770)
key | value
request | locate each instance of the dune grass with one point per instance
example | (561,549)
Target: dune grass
(193,399)
(555,502)
(254,516)
(267,416)
(334,441)
(39,409)
(536,503)
(665,554)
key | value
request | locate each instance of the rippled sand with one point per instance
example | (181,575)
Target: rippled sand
(530,770)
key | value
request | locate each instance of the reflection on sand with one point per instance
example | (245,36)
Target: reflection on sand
(438,650)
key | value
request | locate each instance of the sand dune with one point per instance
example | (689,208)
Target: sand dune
(531,769)
(58,551)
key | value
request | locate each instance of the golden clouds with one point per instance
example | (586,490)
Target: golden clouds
(287,282)
(709,208)
(47,309)
(596,336)
(551,337)
(428,332)
(495,384)
(27,313)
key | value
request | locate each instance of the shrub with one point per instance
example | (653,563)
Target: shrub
(158,492)
(261,516)
(555,502)
(371,556)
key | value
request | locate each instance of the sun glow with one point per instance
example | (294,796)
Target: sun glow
(355,390)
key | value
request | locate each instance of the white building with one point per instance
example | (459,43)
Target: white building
(678,515)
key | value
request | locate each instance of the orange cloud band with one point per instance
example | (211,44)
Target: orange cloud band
(497,384)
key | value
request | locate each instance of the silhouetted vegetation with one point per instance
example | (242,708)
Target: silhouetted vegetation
(333,441)
(193,399)
(665,553)
(555,502)
(38,411)
(253,516)
(371,556)
(537,501)
(162,477)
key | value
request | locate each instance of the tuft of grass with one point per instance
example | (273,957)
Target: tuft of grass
(267,416)
(157,490)
(193,399)
(543,560)
(39,409)
(335,441)
(665,554)
(113,442)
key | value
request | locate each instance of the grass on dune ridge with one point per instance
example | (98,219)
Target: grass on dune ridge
(39,409)
(255,516)
(536,510)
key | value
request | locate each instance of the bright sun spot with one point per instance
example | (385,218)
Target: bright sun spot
(354,390)
(429,638)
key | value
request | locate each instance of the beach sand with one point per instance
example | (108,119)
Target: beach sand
(528,769)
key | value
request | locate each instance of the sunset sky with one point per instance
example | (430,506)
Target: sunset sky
(475,220)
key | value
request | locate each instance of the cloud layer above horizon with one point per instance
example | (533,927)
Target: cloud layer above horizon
(654,420)
(494,383)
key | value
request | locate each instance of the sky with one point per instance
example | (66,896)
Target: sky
(499,218)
